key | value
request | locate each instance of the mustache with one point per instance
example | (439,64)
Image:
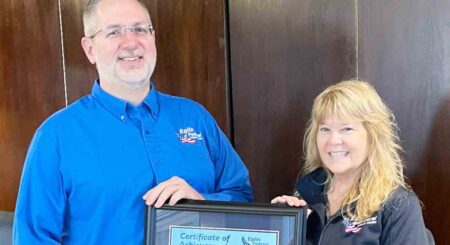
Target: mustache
(129,54)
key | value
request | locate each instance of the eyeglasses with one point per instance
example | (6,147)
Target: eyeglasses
(113,32)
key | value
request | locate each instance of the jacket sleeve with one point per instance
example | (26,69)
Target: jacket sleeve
(231,176)
(403,222)
(41,201)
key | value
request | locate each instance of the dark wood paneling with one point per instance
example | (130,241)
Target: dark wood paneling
(283,53)
(80,74)
(191,52)
(404,51)
(31,83)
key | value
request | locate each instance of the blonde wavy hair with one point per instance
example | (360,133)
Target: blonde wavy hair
(382,172)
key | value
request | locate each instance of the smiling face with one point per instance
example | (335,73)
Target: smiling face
(128,59)
(342,145)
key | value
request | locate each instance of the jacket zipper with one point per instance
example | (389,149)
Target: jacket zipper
(326,225)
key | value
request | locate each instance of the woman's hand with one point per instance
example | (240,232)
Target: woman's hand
(289,200)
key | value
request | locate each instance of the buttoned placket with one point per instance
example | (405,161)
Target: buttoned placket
(137,118)
(150,137)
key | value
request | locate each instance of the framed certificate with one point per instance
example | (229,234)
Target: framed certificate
(225,223)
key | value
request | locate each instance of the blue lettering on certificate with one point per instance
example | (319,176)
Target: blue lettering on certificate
(188,235)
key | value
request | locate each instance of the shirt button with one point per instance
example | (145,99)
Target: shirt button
(122,117)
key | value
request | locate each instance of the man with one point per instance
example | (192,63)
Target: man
(92,166)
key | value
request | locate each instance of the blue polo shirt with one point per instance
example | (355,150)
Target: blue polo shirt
(89,165)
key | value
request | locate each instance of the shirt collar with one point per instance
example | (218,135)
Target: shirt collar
(117,106)
(152,101)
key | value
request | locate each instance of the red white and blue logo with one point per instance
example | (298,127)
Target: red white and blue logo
(188,135)
(351,226)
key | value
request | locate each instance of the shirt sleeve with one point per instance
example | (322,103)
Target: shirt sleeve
(231,176)
(40,204)
(403,222)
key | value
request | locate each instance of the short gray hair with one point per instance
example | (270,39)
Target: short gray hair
(90,9)
(87,14)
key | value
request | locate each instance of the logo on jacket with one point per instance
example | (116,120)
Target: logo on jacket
(188,135)
(351,226)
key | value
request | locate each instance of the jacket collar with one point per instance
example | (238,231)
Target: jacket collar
(312,187)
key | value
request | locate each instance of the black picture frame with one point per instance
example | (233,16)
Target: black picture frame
(250,220)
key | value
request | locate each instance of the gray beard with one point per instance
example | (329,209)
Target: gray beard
(126,83)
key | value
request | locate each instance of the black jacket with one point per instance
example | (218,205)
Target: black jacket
(399,220)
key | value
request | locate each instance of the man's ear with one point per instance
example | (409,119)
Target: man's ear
(86,43)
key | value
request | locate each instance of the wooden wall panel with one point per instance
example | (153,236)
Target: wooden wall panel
(191,52)
(405,52)
(31,83)
(80,74)
(283,53)
(190,38)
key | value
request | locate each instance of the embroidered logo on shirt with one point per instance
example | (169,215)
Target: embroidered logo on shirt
(352,226)
(188,135)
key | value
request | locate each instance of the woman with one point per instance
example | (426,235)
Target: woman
(353,179)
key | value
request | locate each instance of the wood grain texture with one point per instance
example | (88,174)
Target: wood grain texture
(80,74)
(404,52)
(31,83)
(283,53)
(190,38)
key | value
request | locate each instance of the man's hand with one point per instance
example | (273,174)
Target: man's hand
(174,188)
